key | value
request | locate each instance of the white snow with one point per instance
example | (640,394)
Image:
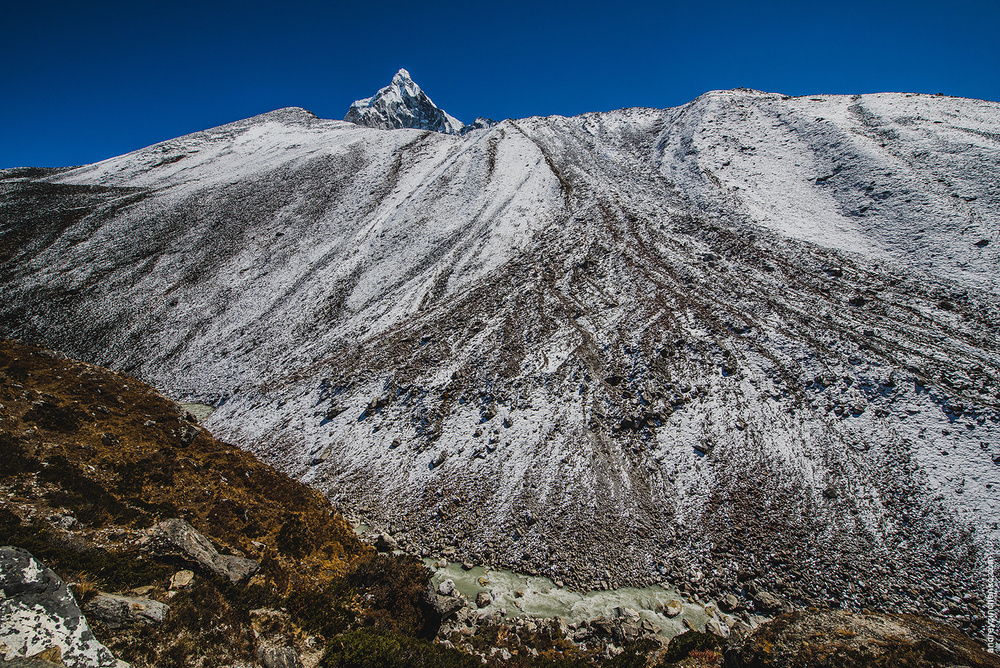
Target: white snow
(515,268)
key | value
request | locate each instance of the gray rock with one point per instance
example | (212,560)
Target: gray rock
(187,433)
(626,632)
(121,611)
(603,626)
(444,606)
(278,657)
(176,538)
(630,614)
(483,599)
(38,613)
(648,627)
(446,588)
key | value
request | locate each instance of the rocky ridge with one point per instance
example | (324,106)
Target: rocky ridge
(747,346)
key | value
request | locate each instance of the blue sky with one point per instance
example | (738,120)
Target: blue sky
(84,81)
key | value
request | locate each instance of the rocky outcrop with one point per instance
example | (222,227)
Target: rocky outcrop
(175,538)
(40,616)
(121,611)
(843,639)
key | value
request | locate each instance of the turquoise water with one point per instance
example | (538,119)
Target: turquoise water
(200,411)
(530,596)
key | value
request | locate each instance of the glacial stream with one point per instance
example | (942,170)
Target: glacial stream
(200,411)
(517,595)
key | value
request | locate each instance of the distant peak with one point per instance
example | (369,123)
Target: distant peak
(402,104)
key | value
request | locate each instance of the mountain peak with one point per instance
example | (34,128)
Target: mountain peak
(402,76)
(402,104)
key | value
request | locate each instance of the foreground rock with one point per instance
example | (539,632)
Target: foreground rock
(176,538)
(122,611)
(39,616)
(842,639)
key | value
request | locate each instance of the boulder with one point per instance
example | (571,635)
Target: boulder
(177,539)
(278,657)
(729,603)
(673,608)
(625,631)
(630,614)
(187,433)
(767,603)
(443,607)
(483,599)
(40,617)
(386,543)
(603,626)
(121,611)
(715,627)
(181,579)
(844,639)
(446,588)
(648,627)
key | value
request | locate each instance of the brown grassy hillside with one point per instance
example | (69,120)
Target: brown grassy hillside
(90,459)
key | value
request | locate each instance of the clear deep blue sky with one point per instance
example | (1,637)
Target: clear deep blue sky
(83,81)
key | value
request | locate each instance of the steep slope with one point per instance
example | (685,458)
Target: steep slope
(750,339)
(91,459)
(402,104)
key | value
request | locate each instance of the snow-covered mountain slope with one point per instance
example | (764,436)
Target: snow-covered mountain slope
(402,104)
(753,337)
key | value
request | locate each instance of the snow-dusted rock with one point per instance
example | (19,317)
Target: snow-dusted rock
(386,543)
(38,613)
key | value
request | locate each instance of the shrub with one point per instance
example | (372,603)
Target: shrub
(682,646)
(374,649)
